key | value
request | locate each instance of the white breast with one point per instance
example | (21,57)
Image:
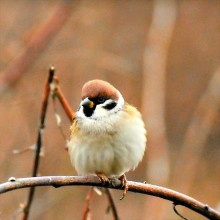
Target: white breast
(111,146)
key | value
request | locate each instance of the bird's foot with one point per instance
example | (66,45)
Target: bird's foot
(103,178)
(124,184)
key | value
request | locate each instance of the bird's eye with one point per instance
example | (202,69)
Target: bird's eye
(100,100)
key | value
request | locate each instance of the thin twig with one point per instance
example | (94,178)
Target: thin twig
(86,210)
(175,210)
(44,105)
(57,92)
(58,120)
(153,190)
(112,204)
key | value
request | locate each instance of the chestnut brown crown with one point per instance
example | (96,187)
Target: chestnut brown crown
(99,88)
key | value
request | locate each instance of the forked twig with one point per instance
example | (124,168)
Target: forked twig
(43,112)
(57,93)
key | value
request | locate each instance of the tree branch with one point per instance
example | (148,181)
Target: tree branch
(157,191)
(39,141)
(57,93)
(86,210)
(112,204)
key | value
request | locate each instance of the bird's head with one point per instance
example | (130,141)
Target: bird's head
(99,100)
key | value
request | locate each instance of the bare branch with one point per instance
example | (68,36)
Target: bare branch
(157,191)
(44,105)
(57,92)
(86,210)
(112,204)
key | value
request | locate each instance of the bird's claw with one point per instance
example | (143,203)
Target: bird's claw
(124,184)
(103,178)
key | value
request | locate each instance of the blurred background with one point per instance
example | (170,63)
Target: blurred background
(164,58)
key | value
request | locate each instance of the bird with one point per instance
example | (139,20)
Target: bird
(108,135)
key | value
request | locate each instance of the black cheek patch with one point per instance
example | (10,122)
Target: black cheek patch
(110,106)
(88,111)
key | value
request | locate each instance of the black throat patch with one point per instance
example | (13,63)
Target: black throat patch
(88,112)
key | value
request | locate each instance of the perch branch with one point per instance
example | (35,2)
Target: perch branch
(153,190)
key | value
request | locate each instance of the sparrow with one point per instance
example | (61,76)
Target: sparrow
(108,136)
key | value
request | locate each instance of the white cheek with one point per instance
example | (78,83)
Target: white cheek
(80,113)
(99,112)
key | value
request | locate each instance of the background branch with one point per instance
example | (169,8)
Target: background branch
(57,93)
(158,191)
(36,46)
(44,105)
(197,135)
(112,204)
(155,59)
(86,211)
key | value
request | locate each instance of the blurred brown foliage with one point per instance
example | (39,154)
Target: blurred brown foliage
(110,40)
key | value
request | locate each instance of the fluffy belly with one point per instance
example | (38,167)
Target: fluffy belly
(91,160)
(96,157)
(98,149)
(107,155)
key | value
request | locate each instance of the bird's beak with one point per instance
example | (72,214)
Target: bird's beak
(87,103)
